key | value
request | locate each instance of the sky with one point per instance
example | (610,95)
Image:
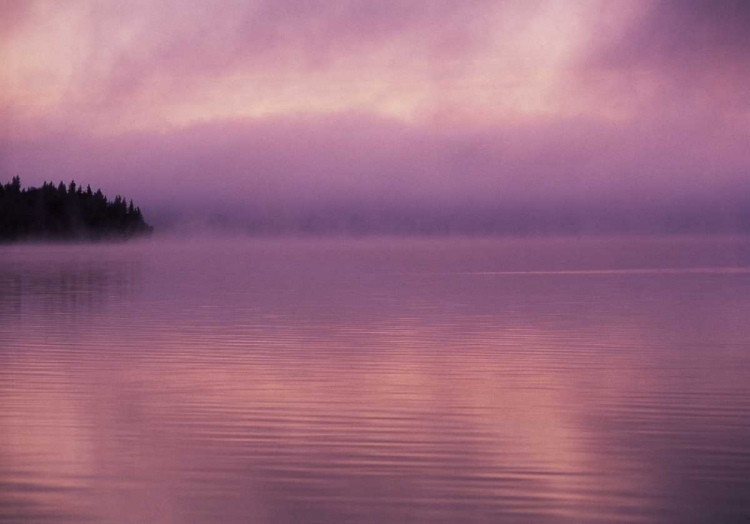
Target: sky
(276,106)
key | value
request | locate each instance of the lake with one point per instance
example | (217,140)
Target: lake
(376,380)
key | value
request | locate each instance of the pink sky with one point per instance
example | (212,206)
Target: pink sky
(437,102)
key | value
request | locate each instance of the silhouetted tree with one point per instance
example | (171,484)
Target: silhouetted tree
(62,212)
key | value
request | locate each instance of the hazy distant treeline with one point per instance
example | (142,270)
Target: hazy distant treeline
(65,212)
(502,220)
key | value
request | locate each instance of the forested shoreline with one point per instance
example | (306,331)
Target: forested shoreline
(66,212)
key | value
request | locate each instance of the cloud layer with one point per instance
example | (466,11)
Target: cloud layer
(437,104)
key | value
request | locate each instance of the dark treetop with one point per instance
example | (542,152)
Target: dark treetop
(66,213)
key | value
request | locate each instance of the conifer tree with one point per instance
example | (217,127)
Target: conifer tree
(62,213)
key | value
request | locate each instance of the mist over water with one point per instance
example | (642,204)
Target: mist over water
(729,216)
(376,380)
(360,174)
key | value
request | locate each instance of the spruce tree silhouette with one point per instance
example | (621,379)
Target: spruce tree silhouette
(66,213)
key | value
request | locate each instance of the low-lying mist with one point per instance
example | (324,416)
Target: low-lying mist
(360,174)
(504,220)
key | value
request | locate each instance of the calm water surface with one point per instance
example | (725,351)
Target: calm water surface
(557,380)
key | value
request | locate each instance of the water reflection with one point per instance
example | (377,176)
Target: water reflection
(59,285)
(338,383)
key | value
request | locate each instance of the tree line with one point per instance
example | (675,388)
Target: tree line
(60,212)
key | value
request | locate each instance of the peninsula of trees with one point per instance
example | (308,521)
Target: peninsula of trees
(60,212)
